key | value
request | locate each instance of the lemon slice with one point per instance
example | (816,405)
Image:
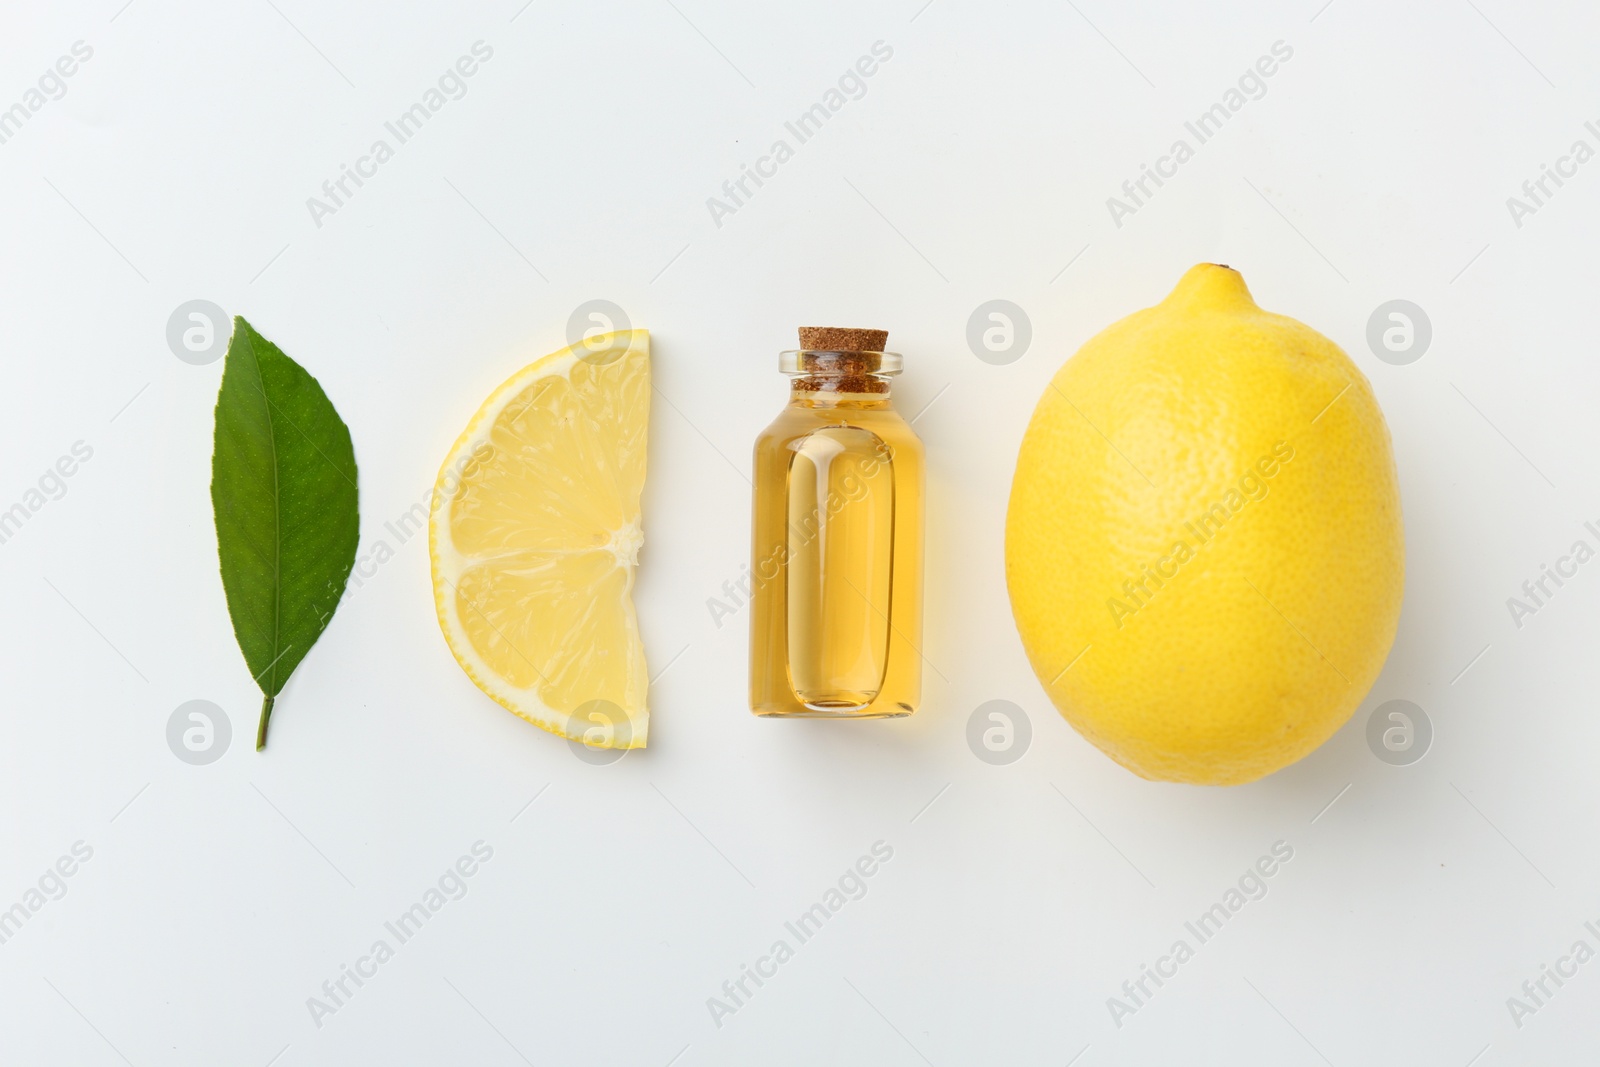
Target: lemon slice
(534,536)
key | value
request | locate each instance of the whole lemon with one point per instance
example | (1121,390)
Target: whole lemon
(1204,548)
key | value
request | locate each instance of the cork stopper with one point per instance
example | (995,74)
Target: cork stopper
(840,359)
(842,339)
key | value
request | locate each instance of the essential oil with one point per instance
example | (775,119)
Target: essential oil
(836,604)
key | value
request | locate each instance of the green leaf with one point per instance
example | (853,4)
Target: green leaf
(283,491)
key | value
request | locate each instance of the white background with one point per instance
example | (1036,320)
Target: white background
(976,166)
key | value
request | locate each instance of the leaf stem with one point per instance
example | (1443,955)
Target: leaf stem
(266,714)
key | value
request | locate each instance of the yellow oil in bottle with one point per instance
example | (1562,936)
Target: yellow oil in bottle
(836,600)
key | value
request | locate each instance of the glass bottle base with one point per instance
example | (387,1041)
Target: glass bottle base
(823,711)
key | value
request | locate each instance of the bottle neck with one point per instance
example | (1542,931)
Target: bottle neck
(840,379)
(815,391)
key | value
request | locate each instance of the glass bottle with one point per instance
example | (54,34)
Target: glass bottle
(836,597)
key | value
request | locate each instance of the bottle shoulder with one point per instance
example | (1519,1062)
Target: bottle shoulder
(796,421)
